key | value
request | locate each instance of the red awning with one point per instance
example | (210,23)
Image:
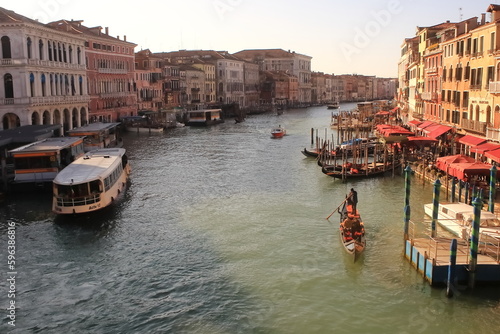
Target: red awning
(382,113)
(493,155)
(443,162)
(437,130)
(421,140)
(471,140)
(414,122)
(394,109)
(464,171)
(481,148)
(425,124)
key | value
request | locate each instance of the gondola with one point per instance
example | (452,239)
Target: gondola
(351,231)
(362,171)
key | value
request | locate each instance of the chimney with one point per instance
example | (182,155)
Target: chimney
(107,30)
(125,38)
(483,18)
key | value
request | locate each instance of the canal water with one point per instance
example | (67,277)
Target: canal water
(223,230)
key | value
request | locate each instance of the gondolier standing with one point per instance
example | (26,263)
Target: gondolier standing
(353,200)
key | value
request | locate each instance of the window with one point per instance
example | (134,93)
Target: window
(8,86)
(6,52)
(42,79)
(28,46)
(40,49)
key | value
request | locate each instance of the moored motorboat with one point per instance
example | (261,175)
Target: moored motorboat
(457,218)
(92,182)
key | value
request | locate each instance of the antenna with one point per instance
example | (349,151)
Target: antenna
(460,14)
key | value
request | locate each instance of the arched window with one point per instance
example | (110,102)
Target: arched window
(59,52)
(54,49)
(80,83)
(50,50)
(6,53)
(64,53)
(70,54)
(73,88)
(43,85)
(51,83)
(32,85)
(8,86)
(40,49)
(78,55)
(28,47)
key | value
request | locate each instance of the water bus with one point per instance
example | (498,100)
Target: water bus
(91,182)
(205,117)
(39,162)
(98,135)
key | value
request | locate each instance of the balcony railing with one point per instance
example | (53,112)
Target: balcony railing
(493,134)
(39,62)
(112,70)
(475,126)
(45,100)
(494,87)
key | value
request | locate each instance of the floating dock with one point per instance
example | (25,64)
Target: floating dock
(431,258)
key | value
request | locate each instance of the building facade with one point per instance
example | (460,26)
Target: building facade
(44,80)
(110,65)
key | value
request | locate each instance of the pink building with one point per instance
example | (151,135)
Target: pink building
(110,71)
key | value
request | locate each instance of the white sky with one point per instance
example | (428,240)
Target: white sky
(343,36)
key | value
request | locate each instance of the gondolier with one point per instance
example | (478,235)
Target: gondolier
(353,200)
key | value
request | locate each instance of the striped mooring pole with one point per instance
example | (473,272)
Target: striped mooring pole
(493,181)
(407,201)
(453,189)
(460,187)
(466,199)
(451,268)
(474,241)
(435,206)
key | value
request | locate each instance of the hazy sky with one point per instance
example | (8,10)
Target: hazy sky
(342,36)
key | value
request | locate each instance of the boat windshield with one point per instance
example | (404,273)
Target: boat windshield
(79,190)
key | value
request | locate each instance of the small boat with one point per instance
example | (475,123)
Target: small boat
(352,231)
(457,218)
(92,182)
(278,132)
(334,105)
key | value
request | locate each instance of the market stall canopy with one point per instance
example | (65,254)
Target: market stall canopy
(414,122)
(393,130)
(493,155)
(465,170)
(443,162)
(425,124)
(484,147)
(437,130)
(471,140)
(421,141)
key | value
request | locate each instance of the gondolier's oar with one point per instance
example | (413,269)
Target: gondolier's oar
(339,206)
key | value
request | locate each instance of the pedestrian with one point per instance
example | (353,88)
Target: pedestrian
(353,198)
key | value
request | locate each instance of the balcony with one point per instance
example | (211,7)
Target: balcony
(474,126)
(113,70)
(41,63)
(45,100)
(494,87)
(493,134)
